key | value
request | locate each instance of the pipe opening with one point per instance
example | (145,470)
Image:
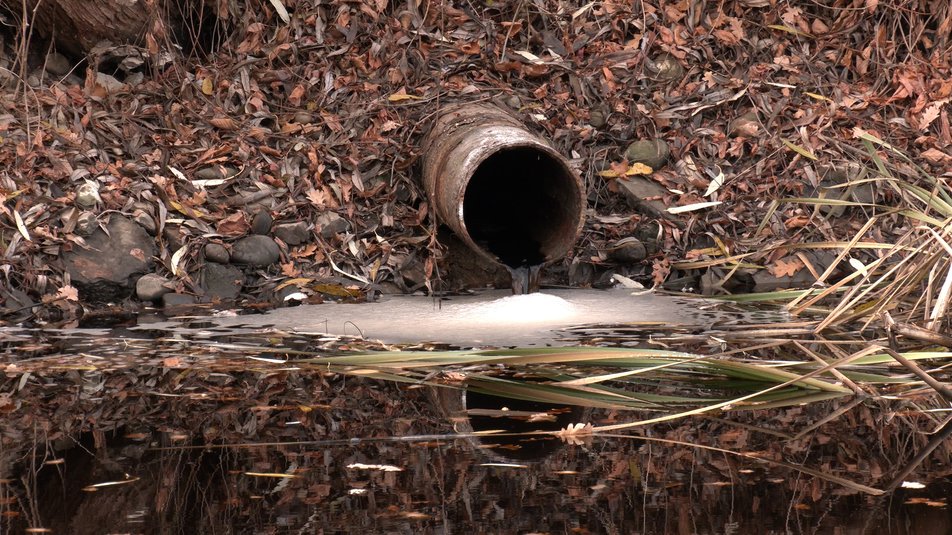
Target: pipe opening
(522,206)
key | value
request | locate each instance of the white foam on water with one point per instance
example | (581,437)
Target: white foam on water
(492,318)
(525,309)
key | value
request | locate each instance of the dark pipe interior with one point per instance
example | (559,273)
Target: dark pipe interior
(522,205)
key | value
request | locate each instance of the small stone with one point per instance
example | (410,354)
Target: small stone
(256,250)
(597,118)
(581,274)
(747,125)
(174,237)
(109,84)
(653,153)
(292,233)
(837,183)
(289,296)
(221,281)
(216,252)
(329,224)
(303,117)
(665,68)
(176,300)
(261,222)
(134,79)
(513,102)
(151,287)
(58,65)
(212,172)
(764,281)
(627,251)
(644,195)
(87,194)
(648,233)
(147,222)
(86,224)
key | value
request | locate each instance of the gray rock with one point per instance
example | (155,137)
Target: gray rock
(147,222)
(58,64)
(151,287)
(644,195)
(261,222)
(764,281)
(110,84)
(581,274)
(598,117)
(303,117)
(285,296)
(221,281)
(747,125)
(86,224)
(87,194)
(292,233)
(838,183)
(174,237)
(255,251)
(217,252)
(627,251)
(170,300)
(330,224)
(108,269)
(665,68)
(209,173)
(651,152)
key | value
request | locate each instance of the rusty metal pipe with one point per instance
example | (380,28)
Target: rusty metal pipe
(505,192)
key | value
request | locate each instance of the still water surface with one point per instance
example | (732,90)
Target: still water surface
(169,426)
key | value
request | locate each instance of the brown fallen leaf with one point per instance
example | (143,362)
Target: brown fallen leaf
(785,267)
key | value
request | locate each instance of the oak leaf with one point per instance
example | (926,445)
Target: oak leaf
(785,267)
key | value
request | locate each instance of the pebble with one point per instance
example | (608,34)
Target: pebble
(217,252)
(292,233)
(261,222)
(151,287)
(256,250)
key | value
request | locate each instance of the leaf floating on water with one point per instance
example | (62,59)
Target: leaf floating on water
(505,465)
(575,430)
(383,467)
(912,485)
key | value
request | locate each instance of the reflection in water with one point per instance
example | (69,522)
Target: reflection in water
(445,487)
(215,429)
(183,481)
